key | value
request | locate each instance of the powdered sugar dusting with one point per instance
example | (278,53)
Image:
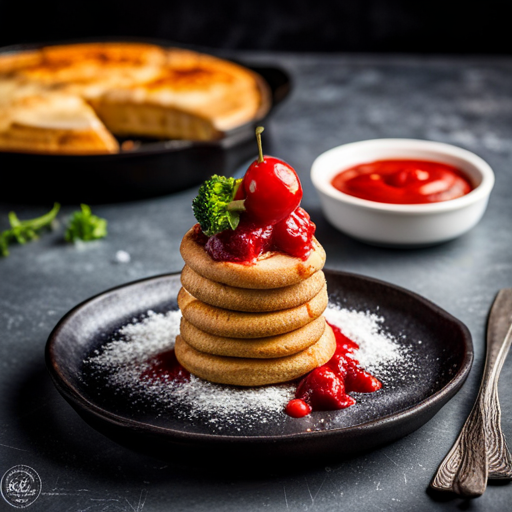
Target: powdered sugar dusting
(119,364)
(222,402)
(377,349)
(138,341)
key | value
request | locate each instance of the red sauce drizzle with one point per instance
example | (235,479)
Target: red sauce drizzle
(326,387)
(403,182)
(165,368)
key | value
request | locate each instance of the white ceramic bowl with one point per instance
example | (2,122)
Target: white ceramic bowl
(401,225)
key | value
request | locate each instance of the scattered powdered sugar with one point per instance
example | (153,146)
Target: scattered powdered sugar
(377,349)
(120,362)
(138,341)
(122,257)
(220,401)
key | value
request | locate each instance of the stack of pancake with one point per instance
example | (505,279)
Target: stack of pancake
(252,325)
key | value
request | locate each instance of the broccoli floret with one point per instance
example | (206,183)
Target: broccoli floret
(214,207)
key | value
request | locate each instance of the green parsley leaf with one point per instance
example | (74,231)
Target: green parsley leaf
(85,226)
(22,231)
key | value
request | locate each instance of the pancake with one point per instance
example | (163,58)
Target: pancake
(274,270)
(234,324)
(255,372)
(259,348)
(255,301)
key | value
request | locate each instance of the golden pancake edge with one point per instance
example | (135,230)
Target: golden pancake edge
(234,324)
(255,372)
(259,348)
(273,270)
(251,300)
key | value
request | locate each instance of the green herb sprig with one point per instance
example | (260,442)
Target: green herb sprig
(85,226)
(22,231)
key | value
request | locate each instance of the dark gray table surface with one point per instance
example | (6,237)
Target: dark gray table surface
(335,99)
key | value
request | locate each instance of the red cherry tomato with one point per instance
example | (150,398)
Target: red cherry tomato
(240,193)
(272,190)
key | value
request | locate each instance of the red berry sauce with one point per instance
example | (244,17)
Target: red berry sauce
(326,387)
(292,236)
(165,368)
(298,408)
(242,245)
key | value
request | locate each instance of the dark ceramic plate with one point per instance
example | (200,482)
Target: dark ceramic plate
(155,168)
(438,344)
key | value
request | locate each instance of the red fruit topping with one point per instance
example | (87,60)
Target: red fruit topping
(243,245)
(249,240)
(338,364)
(272,190)
(294,234)
(198,235)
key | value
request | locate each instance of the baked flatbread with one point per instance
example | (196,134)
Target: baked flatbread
(53,123)
(195,96)
(133,89)
(89,69)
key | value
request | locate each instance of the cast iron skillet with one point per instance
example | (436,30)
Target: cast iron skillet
(440,346)
(155,168)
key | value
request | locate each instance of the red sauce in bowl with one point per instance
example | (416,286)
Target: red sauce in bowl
(403,182)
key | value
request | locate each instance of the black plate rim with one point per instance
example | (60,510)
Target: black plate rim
(439,397)
(231,138)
